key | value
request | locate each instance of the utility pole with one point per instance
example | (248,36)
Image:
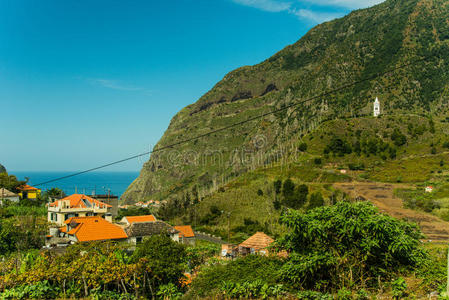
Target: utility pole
(229,227)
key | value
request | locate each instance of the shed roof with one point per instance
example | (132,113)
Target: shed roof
(140,219)
(185,231)
(258,241)
(6,193)
(149,228)
(27,187)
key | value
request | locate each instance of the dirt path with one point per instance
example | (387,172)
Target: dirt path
(381,195)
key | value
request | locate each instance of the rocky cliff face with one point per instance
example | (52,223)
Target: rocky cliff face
(364,43)
(2,169)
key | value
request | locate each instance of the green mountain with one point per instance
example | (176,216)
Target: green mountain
(2,169)
(353,48)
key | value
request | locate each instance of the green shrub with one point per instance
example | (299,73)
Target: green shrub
(302,147)
(328,241)
(253,268)
(399,287)
(313,295)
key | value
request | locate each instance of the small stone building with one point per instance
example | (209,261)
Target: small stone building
(138,231)
(256,244)
(8,195)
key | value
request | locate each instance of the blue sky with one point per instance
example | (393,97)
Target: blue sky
(86,82)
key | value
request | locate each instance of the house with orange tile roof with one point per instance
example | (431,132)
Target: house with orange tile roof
(88,229)
(186,234)
(256,244)
(28,192)
(77,205)
(137,219)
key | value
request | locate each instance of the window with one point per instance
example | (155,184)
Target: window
(138,239)
(87,203)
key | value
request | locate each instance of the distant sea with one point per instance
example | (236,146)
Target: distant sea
(98,182)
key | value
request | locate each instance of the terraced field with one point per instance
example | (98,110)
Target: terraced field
(382,195)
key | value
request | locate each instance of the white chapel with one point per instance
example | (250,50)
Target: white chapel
(376,108)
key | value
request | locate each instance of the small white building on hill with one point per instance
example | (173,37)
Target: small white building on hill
(376,111)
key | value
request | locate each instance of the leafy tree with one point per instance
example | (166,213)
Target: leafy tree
(195,195)
(187,200)
(372,145)
(399,288)
(302,147)
(55,192)
(431,126)
(398,138)
(166,258)
(338,146)
(346,238)
(10,182)
(249,269)
(277,186)
(392,152)
(301,193)
(316,200)
(357,147)
(199,254)
(288,190)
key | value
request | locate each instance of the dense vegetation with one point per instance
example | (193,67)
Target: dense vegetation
(346,249)
(101,270)
(10,182)
(347,245)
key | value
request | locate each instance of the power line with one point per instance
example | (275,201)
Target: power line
(296,103)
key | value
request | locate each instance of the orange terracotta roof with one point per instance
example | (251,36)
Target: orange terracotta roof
(76,201)
(27,187)
(94,229)
(63,229)
(258,241)
(140,219)
(185,231)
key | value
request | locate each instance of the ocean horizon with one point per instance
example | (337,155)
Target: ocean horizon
(116,182)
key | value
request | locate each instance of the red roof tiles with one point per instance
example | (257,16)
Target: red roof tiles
(94,229)
(76,201)
(140,219)
(185,231)
(27,187)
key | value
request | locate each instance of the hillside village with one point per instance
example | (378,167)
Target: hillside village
(321,172)
(80,220)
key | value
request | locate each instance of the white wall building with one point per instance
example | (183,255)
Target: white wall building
(376,107)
